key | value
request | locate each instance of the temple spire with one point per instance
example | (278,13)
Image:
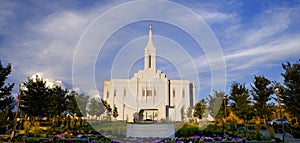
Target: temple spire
(150,53)
(150,35)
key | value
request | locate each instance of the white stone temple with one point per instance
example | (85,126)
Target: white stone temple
(149,92)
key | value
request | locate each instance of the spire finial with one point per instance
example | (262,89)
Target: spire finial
(150,35)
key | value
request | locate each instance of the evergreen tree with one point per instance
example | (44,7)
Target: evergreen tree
(240,105)
(291,93)
(56,103)
(200,108)
(6,99)
(261,92)
(214,104)
(35,97)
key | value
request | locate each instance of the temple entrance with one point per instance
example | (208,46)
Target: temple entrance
(148,115)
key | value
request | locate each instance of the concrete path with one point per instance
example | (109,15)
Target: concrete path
(288,138)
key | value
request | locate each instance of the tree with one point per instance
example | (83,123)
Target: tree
(189,112)
(6,99)
(214,103)
(224,109)
(35,97)
(82,101)
(72,104)
(182,113)
(115,112)
(239,95)
(291,93)
(56,103)
(96,108)
(107,108)
(261,92)
(200,108)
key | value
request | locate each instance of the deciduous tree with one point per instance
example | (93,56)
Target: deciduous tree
(95,107)
(82,101)
(71,104)
(107,108)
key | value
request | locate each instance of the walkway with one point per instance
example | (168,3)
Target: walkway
(287,138)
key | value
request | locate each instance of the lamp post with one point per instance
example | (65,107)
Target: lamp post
(17,110)
(225,98)
(281,118)
(224,102)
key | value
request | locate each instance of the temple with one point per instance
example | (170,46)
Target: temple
(149,94)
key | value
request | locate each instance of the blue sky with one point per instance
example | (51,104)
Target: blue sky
(255,37)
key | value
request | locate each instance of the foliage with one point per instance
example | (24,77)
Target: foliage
(214,103)
(261,92)
(107,108)
(36,129)
(296,132)
(56,102)
(182,113)
(115,112)
(71,103)
(189,112)
(234,119)
(35,97)
(82,101)
(39,100)
(271,132)
(6,99)
(291,94)
(240,104)
(106,105)
(96,108)
(200,109)
(26,126)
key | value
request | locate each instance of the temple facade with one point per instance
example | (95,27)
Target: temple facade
(149,95)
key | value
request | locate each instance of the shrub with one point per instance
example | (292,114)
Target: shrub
(271,131)
(212,126)
(296,133)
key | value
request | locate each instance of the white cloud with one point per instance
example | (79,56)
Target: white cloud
(216,17)
(6,13)
(264,54)
(45,41)
(50,46)
(49,82)
(268,24)
(260,43)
